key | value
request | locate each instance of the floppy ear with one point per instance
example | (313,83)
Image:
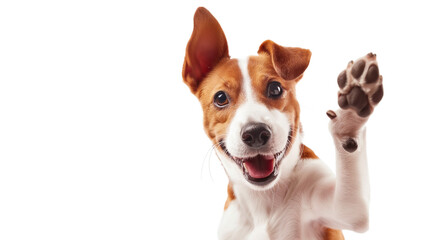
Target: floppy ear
(289,63)
(206,48)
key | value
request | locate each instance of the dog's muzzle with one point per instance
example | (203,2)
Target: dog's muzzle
(260,168)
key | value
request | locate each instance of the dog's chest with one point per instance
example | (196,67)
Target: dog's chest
(287,220)
(283,212)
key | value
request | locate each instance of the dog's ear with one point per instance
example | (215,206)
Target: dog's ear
(289,63)
(206,48)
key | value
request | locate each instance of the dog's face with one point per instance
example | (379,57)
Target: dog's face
(250,110)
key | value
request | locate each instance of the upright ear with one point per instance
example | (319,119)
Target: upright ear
(289,63)
(206,48)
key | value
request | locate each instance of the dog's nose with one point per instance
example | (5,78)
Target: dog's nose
(255,135)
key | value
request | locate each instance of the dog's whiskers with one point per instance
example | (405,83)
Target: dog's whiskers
(209,154)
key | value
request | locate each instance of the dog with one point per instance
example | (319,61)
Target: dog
(278,188)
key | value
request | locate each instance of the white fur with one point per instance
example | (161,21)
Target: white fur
(305,197)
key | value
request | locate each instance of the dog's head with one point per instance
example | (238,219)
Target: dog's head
(250,109)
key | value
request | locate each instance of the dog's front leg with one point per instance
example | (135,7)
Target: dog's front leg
(342,202)
(351,193)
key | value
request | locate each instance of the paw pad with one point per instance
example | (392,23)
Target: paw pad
(358,68)
(350,145)
(360,86)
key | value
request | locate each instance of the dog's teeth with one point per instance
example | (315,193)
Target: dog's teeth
(243,167)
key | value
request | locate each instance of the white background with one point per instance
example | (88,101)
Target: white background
(100,139)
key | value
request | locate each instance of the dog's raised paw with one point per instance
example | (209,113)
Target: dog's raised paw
(361,85)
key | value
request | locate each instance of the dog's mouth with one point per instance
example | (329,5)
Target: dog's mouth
(260,169)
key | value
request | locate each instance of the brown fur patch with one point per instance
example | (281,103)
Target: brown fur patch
(333,234)
(289,62)
(307,153)
(231,196)
(225,77)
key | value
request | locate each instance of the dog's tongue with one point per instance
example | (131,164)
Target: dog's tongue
(259,166)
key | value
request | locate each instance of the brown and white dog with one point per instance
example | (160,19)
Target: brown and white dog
(278,189)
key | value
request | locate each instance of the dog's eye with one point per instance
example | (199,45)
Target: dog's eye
(274,90)
(221,99)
